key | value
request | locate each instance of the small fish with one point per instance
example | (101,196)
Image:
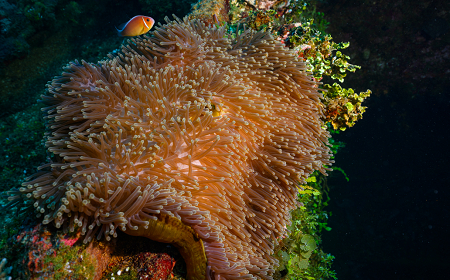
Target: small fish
(215,19)
(136,26)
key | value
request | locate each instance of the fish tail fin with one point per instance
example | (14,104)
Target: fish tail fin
(119,32)
(121,28)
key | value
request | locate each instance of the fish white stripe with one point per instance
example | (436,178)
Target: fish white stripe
(144,22)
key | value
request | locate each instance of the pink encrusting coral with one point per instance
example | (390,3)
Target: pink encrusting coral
(69,241)
(211,128)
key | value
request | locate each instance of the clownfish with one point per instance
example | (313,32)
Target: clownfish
(136,26)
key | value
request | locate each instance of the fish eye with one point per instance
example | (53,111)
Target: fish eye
(148,20)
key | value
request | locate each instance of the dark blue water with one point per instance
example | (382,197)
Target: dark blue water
(390,221)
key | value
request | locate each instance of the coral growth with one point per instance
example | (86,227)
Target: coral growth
(344,106)
(210,11)
(141,266)
(48,255)
(38,245)
(4,271)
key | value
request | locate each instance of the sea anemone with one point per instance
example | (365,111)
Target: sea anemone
(213,129)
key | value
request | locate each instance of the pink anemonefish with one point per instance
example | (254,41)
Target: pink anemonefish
(136,26)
